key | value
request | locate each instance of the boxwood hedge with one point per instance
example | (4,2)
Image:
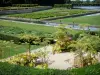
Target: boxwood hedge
(8,69)
(69,6)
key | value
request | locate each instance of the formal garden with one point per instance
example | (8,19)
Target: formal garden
(52,13)
(32,48)
(90,20)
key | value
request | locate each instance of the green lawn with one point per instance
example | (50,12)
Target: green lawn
(11,49)
(92,20)
(33,27)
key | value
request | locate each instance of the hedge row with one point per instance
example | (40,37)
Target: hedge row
(17,40)
(8,69)
(69,6)
(9,38)
(25,5)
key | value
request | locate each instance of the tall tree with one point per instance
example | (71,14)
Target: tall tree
(97,1)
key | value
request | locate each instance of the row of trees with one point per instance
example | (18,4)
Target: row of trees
(41,2)
(87,1)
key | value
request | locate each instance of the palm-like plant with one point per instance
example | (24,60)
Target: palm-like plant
(85,50)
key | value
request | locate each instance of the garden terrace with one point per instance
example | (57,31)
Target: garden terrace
(13,8)
(14,30)
(25,26)
(18,7)
(52,13)
(25,5)
(90,20)
(19,10)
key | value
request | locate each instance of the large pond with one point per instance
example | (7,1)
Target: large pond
(88,7)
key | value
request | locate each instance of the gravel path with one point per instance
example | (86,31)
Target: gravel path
(61,61)
(58,61)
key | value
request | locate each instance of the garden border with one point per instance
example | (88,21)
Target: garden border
(19,11)
(76,15)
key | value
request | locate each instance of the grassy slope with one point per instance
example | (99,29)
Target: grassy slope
(26,26)
(93,20)
(21,48)
(14,49)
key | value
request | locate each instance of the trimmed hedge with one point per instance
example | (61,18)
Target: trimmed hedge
(9,38)
(69,6)
(25,5)
(8,69)
(18,40)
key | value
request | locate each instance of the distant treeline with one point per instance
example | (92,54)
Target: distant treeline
(46,2)
(86,3)
(40,2)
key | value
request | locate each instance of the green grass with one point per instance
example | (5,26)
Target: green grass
(55,12)
(34,27)
(27,27)
(92,20)
(11,49)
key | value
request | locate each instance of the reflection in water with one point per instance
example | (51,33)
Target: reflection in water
(88,7)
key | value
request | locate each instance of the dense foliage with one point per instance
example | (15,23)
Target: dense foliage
(14,33)
(66,37)
(30,60)
(49,2)
(7,69)
(86,50)
(69,6)
(13,8)
(40,2)
(25,5)
(86,3)
(84,47)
